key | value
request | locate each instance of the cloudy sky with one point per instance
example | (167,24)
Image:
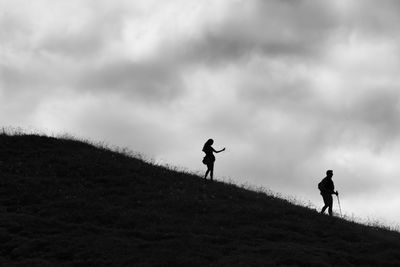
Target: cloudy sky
(290,87)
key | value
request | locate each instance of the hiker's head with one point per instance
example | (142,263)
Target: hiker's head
(329,173)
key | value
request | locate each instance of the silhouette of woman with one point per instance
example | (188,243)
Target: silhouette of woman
(210,158)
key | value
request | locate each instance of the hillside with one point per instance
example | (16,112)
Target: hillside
(69,203)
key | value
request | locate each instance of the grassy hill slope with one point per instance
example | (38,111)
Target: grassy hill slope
(68,203)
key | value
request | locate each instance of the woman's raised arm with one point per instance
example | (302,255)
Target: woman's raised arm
(219,150)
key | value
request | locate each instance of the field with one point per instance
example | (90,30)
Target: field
(65,202)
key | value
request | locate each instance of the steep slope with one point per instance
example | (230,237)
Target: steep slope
(68,203)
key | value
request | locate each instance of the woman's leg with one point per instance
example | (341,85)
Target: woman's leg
(208,170)
(211,168)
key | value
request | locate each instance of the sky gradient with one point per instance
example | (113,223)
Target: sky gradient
(291,88)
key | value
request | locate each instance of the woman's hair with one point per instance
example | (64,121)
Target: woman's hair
(208,143)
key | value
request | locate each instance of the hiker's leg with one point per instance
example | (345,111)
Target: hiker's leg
(325,203)
(323,209)
(330,204)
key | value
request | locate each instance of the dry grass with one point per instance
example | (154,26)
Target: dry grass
(65,202)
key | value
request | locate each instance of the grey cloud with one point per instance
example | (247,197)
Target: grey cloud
(67,57)
(134,130)
(12,31)
(234,118)
(273,28)
(376,114)
(374,18)
(378,107)
(37,75)
(281,89)
(147,81)
(83,44)
(368,112)
(88,40)
(16,79)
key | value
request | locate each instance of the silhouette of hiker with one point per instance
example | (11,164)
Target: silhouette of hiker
(210,158)
(327,189)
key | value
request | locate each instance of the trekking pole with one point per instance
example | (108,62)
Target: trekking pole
(340,208)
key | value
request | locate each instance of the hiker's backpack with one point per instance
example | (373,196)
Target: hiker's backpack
(321,185)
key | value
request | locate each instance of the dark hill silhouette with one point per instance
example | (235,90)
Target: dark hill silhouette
(69,203)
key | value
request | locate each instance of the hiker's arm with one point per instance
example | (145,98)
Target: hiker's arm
(333,191)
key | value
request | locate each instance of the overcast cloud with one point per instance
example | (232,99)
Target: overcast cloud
(291,88)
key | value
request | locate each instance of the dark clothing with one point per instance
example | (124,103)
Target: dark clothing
(328,200)
(328,203)
(327,188)
(209,158)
